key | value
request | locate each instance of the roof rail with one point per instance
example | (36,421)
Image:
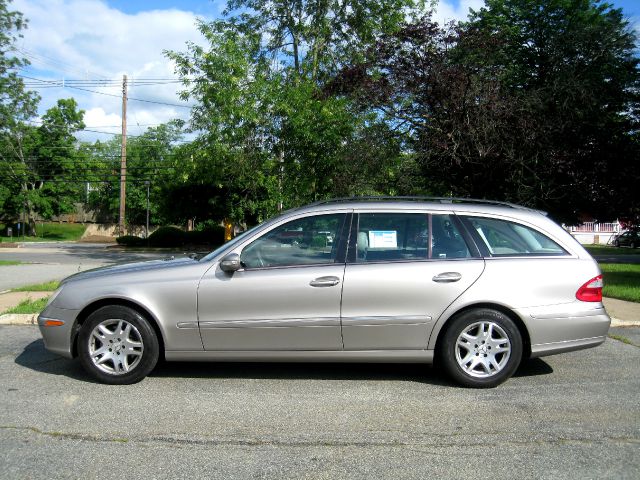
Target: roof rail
(445,200)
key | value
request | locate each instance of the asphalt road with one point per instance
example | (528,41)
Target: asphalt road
(55,261)
(575,415)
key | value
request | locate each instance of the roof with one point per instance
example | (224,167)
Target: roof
(435,203)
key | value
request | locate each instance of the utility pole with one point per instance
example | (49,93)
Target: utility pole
(280,180)
(123,159)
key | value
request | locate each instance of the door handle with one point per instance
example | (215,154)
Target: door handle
(324,282)
(447,277)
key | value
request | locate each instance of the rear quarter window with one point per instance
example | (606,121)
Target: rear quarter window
(505,238)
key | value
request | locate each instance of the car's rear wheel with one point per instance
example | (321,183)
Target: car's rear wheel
(117,345)
(481,348)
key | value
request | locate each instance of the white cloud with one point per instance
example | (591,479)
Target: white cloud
(448,11)
(86,39)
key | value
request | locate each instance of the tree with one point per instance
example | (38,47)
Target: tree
(530,101)
(269,135)
(16,107)
(151,157)
(573,65)
(54,162)
(315,38)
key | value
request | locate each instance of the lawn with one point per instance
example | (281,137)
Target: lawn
(4,263)
(609,250)
(621,280)
(29,306)
(40,287)
(51,231)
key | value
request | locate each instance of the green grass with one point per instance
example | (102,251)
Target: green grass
(609,250)
(29,306)
(39,287)
(621,338)
(48,232)
(621,280)
(4,263)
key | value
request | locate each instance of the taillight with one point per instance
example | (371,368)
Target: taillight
(591,291)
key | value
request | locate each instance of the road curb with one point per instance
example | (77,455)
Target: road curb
(616,322)
(19,319)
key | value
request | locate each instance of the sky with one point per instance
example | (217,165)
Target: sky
(105,39)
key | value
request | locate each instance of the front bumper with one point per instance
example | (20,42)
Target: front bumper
(59,339)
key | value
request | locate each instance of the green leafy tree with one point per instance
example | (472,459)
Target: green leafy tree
(17,106)
(269,136)
(54,161)
(152,158)
(530,101)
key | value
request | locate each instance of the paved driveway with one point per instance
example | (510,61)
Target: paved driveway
(55,261)
(575,415)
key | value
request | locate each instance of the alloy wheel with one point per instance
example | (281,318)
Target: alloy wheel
(115,346)
(482,349)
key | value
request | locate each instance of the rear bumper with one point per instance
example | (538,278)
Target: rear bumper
(565,328)
(545,349)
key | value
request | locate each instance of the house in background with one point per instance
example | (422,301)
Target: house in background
(588,233)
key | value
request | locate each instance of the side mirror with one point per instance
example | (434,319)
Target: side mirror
(230,263)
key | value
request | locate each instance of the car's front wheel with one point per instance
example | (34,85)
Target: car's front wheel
(117,345)
(481,348)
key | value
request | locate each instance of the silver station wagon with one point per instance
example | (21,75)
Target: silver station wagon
(476,286)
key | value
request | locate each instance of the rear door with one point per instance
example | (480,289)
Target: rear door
(403,270)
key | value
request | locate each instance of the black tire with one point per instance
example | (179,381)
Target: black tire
(633,245)
(470,362)
(616,243)
(126,359)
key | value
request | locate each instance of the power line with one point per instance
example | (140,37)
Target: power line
(44,59)
(53,83)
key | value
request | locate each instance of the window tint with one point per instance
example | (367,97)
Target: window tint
(447,241)
(507,238)
(306,241)
(398,236)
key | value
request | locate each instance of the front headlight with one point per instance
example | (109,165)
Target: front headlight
(55,294)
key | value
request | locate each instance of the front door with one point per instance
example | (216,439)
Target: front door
(286,296)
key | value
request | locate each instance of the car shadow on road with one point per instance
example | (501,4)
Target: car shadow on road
(303,371)
(533,367)
(421,373)
(36,357)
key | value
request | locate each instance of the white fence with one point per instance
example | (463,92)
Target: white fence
(593,232)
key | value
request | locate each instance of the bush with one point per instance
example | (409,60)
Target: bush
(210,235)
(130,241)
(175,237)
(167,237)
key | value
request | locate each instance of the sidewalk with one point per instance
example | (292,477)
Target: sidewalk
(623,314)
(13,299)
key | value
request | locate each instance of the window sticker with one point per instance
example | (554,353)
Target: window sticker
(383,239)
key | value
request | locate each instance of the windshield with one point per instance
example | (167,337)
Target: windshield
(230,243)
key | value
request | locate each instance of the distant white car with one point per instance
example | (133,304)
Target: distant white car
(476,285)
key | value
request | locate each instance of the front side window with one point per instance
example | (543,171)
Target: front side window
(305,241)
(504,238)
(407,237)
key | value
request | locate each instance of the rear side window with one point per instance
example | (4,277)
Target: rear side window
(504,238)
(384,237)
